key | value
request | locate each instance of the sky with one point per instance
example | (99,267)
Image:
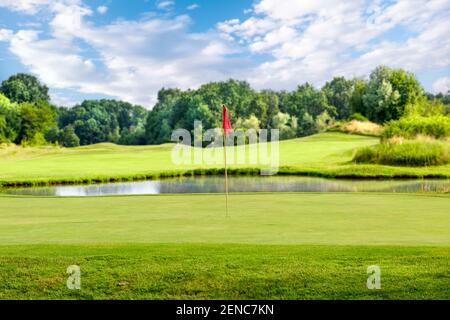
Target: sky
(128,50)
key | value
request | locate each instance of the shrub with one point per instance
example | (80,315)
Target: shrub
(411,127)
(358,116)
(406,153)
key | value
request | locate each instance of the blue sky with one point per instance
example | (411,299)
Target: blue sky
(130,49)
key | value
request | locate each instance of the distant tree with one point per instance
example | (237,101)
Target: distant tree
(24,88)
(443,98)
(176,109)
(104,120)
(287,125)
(323,121)
(339,92)
(356,100)
(36,120)
(52,135)
(10,120)
(307,99)
(380,99)
(409,88)
(389,93)
(258,108)
(272,102)
(250,123)
(68,138)
(308,125)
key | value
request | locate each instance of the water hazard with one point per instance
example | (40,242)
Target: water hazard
(236,184)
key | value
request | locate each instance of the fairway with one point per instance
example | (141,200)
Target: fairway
(326,154)
(273,246)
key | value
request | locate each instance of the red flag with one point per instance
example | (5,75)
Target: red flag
(226,121)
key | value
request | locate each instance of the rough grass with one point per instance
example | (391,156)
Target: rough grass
(406,153)
(360,127)
(324,155)
(273,246)
(194,271)
(437,127)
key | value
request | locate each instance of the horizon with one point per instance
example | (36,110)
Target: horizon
(86,50)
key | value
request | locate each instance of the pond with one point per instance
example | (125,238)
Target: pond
(236,184)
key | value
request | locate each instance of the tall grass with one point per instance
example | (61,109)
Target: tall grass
(355,126)
(410,127)
(406,153)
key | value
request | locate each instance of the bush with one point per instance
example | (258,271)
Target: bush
(68,138)
(410,127)
(358,116)
(406,153)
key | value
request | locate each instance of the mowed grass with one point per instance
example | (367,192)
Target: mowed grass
(194,271)
(272,246)
(345,219)
(327,155)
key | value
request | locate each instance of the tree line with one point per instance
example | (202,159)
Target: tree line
(28,117)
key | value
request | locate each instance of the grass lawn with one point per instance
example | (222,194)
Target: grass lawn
(281,246)
(326,155)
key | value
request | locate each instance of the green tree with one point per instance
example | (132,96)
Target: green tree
(307,99)
(339,92)
(36,120)
(308,126)
(286,124)
(10,120)
(258,108)
(105,120)
(272,101)
(409,88)
(356,100)
(68,137)
(24,87)
(389,93)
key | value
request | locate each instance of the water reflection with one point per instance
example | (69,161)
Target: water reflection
(236,184)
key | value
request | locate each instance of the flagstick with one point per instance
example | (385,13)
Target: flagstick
(226,174)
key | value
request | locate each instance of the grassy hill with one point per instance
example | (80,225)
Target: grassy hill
(327,155)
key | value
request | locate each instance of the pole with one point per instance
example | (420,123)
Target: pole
(226,173)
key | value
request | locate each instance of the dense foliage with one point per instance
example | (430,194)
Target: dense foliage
(24,88)
(410,127)
(102,120)
(27,116)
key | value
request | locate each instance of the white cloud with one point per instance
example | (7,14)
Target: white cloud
(297,40)
(5,35)
(193,6)
(102,9)
(31,6)
(132,60)
(442,85)
(165,4)
(63,99)
(315,40)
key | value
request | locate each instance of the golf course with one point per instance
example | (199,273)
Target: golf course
(270,246)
